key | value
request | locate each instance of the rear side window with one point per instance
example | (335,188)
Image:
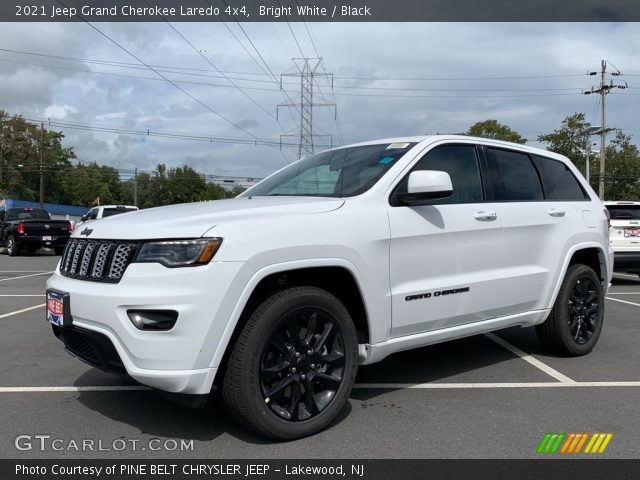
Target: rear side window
(624,212)
(558,181)
(512,176)
(461,163)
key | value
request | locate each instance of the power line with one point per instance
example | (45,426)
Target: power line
(218,70)
(160,74)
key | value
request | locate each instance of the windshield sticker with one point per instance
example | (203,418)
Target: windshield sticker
(386,160)
(398,145)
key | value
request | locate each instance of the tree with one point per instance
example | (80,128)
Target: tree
(569,139)
(494,129)
(622,178)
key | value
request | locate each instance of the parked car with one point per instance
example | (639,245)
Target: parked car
(337,260)
(104,211)
(32,228)
(625,235)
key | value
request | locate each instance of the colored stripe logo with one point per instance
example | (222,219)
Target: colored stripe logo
(574,443)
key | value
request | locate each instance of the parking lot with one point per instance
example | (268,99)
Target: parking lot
(488,396)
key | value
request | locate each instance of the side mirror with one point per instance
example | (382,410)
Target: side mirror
(83,218)
(426,185)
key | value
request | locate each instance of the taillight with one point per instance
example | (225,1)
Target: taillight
(21,229)
(608,215)
(70,227)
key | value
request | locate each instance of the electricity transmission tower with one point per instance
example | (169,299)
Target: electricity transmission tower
(603,90)
(307,72)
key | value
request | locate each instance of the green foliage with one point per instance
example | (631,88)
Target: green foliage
(569,140)
(496,130)
(622,178)
(88,184)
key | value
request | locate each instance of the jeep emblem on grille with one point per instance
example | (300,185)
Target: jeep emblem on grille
(86,231)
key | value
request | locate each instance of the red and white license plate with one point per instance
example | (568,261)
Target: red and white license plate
(58,308)
(632,232)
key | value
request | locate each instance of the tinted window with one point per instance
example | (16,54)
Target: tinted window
(624,212)
(513,176)
(27,214)
(558,181)
(336,173)
(108,212)
(461,163)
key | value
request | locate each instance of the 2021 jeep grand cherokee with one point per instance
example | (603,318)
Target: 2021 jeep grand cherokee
(339,259)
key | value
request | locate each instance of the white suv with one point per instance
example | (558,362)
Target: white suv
(335,261)
(625,235)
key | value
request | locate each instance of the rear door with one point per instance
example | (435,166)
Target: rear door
(445,255)
(541,203)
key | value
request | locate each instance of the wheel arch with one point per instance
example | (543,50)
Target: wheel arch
(335,276)
(590,254)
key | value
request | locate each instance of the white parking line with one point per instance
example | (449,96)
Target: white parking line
(26,276)
(623,293)
(21,271)
(530,359)
(23,295)
(436,386)
(623,301)
(626,275)
(114,388)
(357,386)
(22,311)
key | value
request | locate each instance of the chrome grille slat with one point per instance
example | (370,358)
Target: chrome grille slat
(97,260)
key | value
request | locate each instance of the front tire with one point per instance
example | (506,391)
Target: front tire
(292,368)
(575,322)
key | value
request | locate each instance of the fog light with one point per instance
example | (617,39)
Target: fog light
(153,319)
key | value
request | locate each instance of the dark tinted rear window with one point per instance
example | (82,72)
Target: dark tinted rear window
(108,212)
(26,214)
(512,176)
(558,181)
(624,212)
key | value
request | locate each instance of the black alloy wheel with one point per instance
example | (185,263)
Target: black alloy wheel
(576,319)
(291,369)
(302,365)
(583,309)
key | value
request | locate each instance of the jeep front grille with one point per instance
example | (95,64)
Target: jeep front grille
(97,260)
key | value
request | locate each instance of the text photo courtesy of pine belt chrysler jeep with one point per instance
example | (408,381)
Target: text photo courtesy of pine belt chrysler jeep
(338,260)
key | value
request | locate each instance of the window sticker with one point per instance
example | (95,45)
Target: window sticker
(398,145)
(386,160)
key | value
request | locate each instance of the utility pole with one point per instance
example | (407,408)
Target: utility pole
(307,72)
(135,186)
(42,165)
(603,90)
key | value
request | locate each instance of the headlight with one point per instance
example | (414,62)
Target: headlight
(179,253)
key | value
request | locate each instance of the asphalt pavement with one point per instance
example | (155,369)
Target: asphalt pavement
(487,396)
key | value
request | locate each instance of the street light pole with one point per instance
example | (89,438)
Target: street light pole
(42,165)
(587,132)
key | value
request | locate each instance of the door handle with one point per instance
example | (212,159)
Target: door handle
(484,216)
(556,212)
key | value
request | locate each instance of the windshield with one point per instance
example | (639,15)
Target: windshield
(337,173)
(624,212)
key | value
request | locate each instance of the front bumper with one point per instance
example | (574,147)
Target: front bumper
(178,360)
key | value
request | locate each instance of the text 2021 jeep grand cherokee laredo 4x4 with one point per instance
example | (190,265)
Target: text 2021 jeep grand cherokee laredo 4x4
(337,260)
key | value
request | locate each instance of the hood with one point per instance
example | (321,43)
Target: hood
(192,220)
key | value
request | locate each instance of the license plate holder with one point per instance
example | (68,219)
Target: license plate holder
(58,308)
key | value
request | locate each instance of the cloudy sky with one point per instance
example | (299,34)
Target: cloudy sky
(389,80)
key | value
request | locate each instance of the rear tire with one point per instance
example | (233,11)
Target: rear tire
(575,322)
(292,368)
(12,248)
